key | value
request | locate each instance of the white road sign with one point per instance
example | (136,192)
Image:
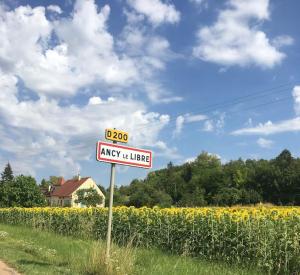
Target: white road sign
(113,153)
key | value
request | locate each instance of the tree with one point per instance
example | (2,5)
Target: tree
(193,198)
(146,195)
(206,181)
(53,180)
(284,159)
(88,197)
(25,192)
(103,190)
(170,165)
(7,174)
(286,167)
(45,184)
(119,197)
(228,196)
(250,197)
(5,185)
(187,172)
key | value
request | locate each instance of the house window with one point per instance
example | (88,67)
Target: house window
(67,202)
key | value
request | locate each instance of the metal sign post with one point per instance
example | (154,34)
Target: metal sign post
(124,155)
(111,198)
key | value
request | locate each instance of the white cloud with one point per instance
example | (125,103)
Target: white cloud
(23,26)
(220,123)
(186,118)
(150,53)
(269,128)
(167,152)
(158,94)
(156,11)
(179,125)
(95,100)
(265,143)
(91,46)
(53,131)
(200,3)
(235,40)
(190,159)
(54,8)
(282,40)
(216,125)
(51,135)
(208,126)
(84,53)
(249,122)
(194,118)
(215,155)
(296,95)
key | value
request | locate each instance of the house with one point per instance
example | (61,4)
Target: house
(63,193)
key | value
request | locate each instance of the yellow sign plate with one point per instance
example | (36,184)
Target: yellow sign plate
(116,135)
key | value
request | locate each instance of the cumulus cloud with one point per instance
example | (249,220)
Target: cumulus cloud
(236,38)
(91,46)
(158,94)
(63,57)
(265,143)
(156,11)
(84,52)
(186,118)
(54,8)
(49,134)
(150,52)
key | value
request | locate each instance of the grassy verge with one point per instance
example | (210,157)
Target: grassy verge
(35,252)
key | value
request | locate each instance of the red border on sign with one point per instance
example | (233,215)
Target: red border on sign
(99,143)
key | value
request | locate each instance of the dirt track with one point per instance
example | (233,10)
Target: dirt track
(6,270)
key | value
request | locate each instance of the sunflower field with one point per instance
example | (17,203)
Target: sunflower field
(263,237)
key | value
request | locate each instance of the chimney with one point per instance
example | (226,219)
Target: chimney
(78,176)
(60,181)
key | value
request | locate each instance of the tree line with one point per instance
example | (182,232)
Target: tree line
(19,191)
(205,181)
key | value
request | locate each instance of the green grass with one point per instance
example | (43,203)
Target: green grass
(155,262)
(35,252)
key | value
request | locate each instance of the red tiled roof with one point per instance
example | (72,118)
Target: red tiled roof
(68,187)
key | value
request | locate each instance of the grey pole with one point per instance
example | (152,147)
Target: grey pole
(111,198)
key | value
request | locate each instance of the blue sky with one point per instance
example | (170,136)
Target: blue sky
(181,77)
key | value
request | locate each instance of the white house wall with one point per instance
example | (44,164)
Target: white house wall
(89,183)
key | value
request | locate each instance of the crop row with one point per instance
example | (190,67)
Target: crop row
(264,237)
